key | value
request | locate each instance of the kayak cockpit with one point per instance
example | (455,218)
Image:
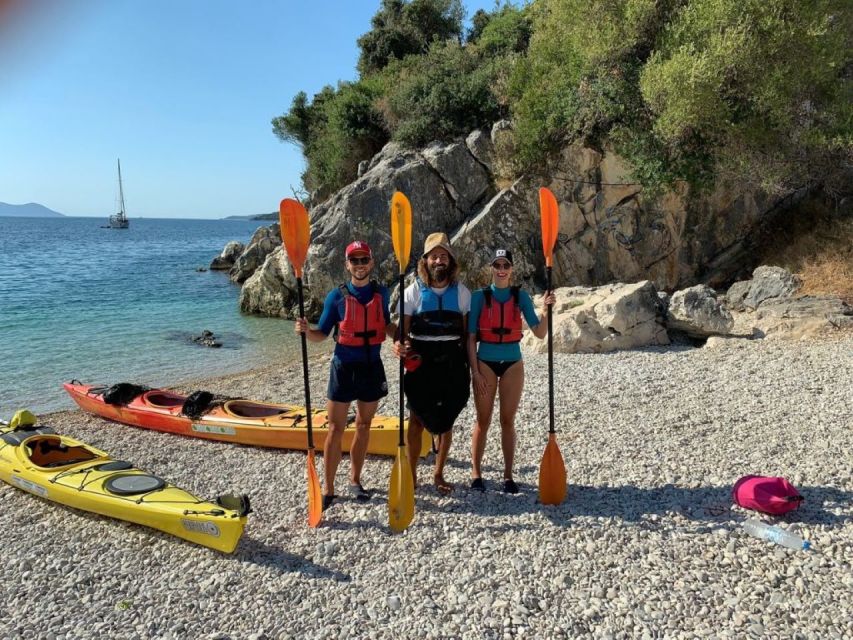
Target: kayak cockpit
(50,452)
(249,409)
(163,399)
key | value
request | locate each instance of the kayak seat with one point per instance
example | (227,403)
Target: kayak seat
(49,452)
(163,399)
(249,409)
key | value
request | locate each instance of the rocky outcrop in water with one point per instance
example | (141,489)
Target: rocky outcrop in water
(225,260)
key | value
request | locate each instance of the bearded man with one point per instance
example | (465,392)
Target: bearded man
(437,381)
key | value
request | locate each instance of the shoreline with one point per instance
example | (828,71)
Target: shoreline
(645,543)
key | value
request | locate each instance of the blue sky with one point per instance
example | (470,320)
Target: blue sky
(182,91)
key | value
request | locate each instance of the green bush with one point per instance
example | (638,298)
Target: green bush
(762,81)
(445,93)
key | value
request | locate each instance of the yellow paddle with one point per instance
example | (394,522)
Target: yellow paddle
(552,469)
(401,493)
(296,234)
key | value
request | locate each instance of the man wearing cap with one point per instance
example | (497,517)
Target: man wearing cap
(437,384)
(358,313)
(496,365)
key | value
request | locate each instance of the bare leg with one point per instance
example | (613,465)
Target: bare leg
(415,433)
(484,404)
(363,417)
(444,442)
(511,385)
(337,416)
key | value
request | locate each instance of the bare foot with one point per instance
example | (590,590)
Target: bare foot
(442,485)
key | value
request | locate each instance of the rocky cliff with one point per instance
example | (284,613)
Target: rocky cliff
(610,229)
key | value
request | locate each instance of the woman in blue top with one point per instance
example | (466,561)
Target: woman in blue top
(358,313)
(495,322)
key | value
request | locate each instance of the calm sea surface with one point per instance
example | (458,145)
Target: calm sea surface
(106,306)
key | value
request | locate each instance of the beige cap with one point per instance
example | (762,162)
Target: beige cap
(438,239)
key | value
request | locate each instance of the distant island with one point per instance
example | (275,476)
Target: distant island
(29,210)
(258,216)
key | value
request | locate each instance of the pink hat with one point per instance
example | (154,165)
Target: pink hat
(358,247)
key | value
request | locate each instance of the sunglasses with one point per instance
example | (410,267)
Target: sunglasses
(501,265)
(364,260)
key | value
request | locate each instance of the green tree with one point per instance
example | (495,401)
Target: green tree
(336,130)
(407,28)
(507,30)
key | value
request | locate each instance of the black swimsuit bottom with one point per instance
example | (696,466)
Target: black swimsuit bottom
(499,368)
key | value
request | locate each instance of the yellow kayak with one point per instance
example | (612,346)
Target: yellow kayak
(70,472)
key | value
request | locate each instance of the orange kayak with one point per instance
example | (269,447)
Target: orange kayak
(246,422)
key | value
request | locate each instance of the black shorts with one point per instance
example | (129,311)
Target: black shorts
(438,390)
(350,381)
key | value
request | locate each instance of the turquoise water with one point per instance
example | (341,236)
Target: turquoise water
(105,306)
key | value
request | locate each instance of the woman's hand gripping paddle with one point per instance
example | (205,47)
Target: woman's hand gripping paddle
(296,234)
(552,469)
(401,493)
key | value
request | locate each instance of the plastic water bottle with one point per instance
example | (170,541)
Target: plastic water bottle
(765,531)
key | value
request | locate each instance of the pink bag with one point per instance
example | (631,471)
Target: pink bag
(768,495)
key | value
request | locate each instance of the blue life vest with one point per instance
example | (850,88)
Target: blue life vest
(438,315)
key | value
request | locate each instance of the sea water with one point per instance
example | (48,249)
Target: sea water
(119,305)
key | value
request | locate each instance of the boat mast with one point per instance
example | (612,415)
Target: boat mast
(120,190)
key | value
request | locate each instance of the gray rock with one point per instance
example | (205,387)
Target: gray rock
(697,312)
(480,145)
(603,319)
(770,282)
(465,179)
(736,294)
(263,242)
(230,253)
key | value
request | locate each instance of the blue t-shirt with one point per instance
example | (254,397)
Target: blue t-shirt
(333,312)
(498,352)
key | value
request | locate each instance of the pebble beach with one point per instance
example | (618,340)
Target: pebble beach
(646,545)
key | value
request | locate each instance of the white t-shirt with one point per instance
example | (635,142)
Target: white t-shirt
(412,299)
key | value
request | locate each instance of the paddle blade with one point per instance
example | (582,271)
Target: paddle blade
(552,474)
(550,214)
(401,494)
(401,228)
(295,232)
(315,498)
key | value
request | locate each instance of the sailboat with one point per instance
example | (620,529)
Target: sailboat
(119,220)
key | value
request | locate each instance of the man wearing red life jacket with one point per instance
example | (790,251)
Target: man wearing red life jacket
(358,313)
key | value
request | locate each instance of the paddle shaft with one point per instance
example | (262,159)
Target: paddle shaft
(305,365)
(550,356)
(402,365)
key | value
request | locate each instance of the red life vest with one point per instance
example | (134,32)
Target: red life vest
(363,324)
(500,321)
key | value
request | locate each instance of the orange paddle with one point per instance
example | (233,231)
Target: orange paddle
(552,469)
(296,235)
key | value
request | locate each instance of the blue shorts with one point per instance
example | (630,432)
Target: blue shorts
(350,381)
